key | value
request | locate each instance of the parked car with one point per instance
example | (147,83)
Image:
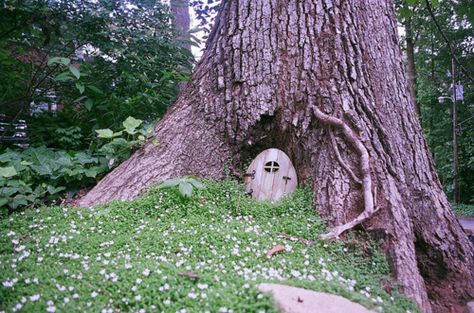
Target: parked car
(13,132)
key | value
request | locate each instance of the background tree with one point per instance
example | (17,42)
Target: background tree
(323,81)
(123,52)
(431,66)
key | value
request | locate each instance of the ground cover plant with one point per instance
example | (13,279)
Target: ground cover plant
(41,174)
(166,252)
(466,210)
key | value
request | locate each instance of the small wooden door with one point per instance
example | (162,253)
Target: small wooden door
(271,176)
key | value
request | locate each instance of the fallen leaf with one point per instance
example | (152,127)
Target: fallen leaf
(190,275)
(276,249)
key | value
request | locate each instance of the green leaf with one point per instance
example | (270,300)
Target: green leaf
(81,88)
(8,171)
(75,71)
(94,89)
(79,99)
(172,182)
(131,124)
(43,169)
(104,133)
(196,183)
(405,13)
(155,142)
(88,104)
(63,77)
(59,60)
(185,189)
(3,201)
(52,190)
(91,172)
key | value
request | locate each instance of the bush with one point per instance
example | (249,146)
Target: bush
(40,174)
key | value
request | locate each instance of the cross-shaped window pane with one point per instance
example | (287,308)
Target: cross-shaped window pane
(271,167)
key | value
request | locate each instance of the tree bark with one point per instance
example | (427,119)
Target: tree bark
(411,67)
(181,20)
(270,66)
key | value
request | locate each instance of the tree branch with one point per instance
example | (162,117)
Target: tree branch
(353,139)
(450,47)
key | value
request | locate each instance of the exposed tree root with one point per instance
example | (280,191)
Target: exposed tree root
(341,161)
(353,139)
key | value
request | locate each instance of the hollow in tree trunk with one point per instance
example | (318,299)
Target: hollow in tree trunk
(324,82)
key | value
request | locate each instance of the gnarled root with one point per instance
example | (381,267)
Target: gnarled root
(353,139)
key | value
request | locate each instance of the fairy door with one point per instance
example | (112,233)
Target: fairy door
(271,175)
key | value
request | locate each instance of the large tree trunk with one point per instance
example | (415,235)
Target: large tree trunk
(411,67)
(272,70)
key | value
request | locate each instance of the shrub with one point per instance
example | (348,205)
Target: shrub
(40,174)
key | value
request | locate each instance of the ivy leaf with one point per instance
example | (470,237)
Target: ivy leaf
(52,190)
(75,71)
(104,133)
(131,125)
(8,171)
(3,201)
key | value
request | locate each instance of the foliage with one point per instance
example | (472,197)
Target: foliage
(433,60)
(93,59)
(129,256)
(464,209)
(185,185)
(39,174)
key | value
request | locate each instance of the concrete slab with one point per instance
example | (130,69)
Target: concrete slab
(298,300)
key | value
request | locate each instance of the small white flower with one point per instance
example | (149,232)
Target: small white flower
(66,300)
(146,272)
(75,296)
(51,309)
(134,288)
(17,307)
(138,281)
(202,286)
(167,302)
(192,295)
(34,298)
(128,266)
(138,298)
(204,296)
(94,294)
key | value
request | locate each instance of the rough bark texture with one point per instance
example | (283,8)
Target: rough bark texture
(411,67)
(268,63)
(181,19)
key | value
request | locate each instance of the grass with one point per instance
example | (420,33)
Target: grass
(466,210)
(130,256)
